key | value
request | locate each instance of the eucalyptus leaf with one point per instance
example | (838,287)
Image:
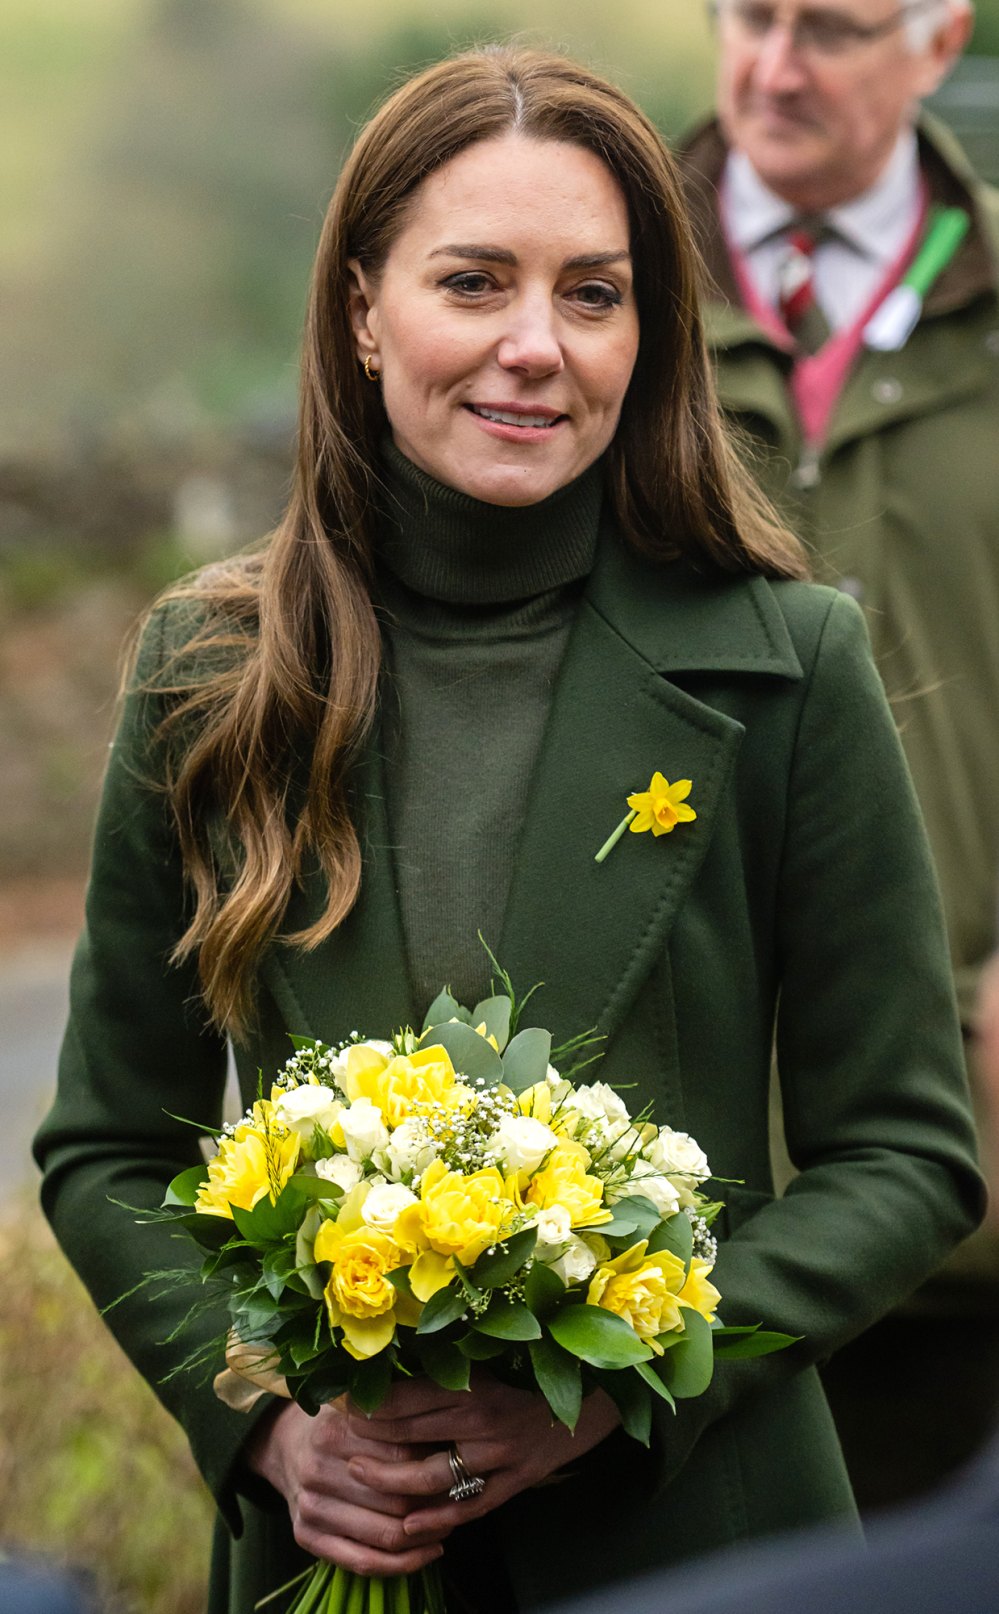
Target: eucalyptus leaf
(597,1336)
(316,1188)
(496,1013)
(492,1270)
(443,1008)
(508,1320)
(560,1378)
(634,1218)
(675,1235)
(471,1055)
(525,1060)
(687,1366)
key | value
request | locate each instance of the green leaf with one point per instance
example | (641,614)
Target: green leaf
(399,1279)
(752,1342)
(506,1320)
(560,1379)
(480,1348)
(301,1044)
(443,1362)
(688,1364)
(315,1188)
(445,1307)
(654,1382)
(184,1188)
(443,1008)
(633,1400)
(543,1289)
(369,1381)
(525,1060)
(492,1271)
(597,1336)
(267,1222)
(471,1055)
(496,1014)
(675,1235)
(277,1267)
(634,1218)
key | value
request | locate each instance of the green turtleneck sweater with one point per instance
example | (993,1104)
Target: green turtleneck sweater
(476,603)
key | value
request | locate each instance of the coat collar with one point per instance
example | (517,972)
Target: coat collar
(592,932)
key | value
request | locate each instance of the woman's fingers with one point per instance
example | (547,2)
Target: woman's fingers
(426,1476)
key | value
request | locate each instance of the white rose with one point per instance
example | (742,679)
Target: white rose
(363,1128)
(339,1168)
(678,1155)
(554,1227)
(521,1143)
(384,1203)
(408,1150)
(576,1263)
(597,1102)
(306,1107)
(655,1186)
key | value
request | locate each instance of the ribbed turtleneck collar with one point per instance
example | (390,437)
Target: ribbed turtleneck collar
(447,546)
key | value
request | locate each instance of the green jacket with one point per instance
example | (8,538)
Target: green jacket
(901,509)
(805,874)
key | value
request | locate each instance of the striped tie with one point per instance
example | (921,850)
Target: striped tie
(796,287)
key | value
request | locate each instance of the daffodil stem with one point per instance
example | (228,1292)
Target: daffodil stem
(612,840)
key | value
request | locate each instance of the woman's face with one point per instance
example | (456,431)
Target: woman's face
(504,321)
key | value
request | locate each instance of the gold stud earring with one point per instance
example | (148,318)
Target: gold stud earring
(371,369)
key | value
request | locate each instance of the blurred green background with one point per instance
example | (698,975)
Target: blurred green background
(164,168)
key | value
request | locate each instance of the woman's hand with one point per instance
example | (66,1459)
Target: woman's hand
(335,1514)
(508,1437)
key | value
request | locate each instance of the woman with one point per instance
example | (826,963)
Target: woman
(520,572)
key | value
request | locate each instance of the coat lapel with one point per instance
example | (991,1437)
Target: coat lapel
(592,931)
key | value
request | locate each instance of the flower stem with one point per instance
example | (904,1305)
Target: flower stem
(612,840)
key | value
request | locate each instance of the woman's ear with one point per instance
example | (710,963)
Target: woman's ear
(363,312)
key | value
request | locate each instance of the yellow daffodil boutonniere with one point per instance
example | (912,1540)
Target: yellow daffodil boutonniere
(660,809)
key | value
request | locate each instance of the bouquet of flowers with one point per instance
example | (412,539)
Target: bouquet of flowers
(448,1197)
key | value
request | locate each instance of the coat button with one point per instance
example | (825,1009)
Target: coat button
(852,586)
(887,390)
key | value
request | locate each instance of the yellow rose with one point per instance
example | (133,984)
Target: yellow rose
(697,1292)
(359,1297)
(256,1159)
(643,1289)
(403,1082)
(564,1181)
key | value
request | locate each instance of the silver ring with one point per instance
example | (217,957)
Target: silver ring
(465,1485)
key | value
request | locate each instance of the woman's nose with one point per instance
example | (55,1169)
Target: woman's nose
(531,341)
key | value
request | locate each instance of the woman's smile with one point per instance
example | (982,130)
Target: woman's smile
(504,322)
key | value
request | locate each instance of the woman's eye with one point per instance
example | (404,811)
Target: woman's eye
(596,294)
(468,283)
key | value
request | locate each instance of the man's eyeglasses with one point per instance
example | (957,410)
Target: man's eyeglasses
(821,31)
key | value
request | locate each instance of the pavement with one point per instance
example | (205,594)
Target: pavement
(33,1004)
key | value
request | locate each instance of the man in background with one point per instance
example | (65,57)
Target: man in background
(854,318)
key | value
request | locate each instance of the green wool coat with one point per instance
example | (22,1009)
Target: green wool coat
(803,886)
(900,505)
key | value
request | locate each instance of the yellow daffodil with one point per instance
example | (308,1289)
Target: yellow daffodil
(359,1296)
(455,1216)
(659,809)
(256,1159)
(643,1289)
(565,1181)
(400,1083)
(697,1292)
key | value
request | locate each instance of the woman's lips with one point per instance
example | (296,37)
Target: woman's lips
(514,423)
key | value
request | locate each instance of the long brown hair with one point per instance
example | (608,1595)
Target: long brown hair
(288,636)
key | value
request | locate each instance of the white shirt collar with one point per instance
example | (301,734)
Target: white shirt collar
(875,223)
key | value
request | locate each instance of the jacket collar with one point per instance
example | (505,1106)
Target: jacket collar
(592,932)
(952,182)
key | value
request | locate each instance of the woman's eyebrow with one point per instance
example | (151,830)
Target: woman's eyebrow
(585,260)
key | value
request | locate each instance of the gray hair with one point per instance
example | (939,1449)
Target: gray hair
(922,24)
